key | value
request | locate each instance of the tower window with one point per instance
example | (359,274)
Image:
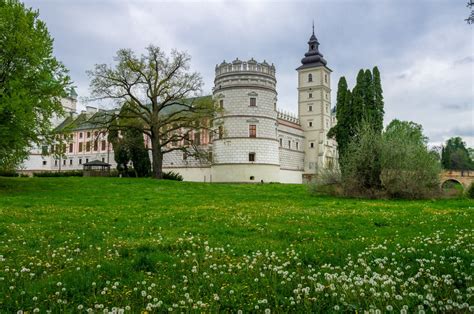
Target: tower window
(253,102)
(310,124)
(281,142)
(221,103)
(310,108)
(310,95)
(325,78)
(221,132)
(297,146)
(310,77)
(251,156)
(311,145)
(289,144)
(252,130)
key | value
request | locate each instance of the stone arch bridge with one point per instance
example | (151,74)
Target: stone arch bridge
(465,178)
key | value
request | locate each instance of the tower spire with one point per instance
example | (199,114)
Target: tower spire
(313,26)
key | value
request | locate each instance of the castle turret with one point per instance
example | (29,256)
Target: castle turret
(246,148)
(314,107)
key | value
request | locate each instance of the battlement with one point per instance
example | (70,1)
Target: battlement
(287,116)
(238,67)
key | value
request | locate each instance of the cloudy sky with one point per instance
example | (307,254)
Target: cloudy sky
(424,49)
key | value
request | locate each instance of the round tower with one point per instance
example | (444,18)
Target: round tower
(246,148)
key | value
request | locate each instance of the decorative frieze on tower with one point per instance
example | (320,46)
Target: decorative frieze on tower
(314,108)
(246,149)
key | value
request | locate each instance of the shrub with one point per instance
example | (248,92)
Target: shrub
(327,181)
(409,169)
(69,173)
(8,173)
(361,164)
(172,176)
(470,191)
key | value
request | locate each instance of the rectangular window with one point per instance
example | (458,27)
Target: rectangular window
(96,134)
(325,78)
(80,161)
(310,124)
(252,130)
(281,142)
(197,138)
(210,136)
(80,135)
(103,159)
(56,162)
(297,144)
(96,145)
(311,145)
(289,144)
(44,150)
(71,147)
(251,156)
(103,144)
(70,162)
(221,103)
(80,147)
(210,156)
(64,162)
(310,95)
(310,108)
(88,134)
(44,162)
(88,146)
(185,156)
(87,160)
(221,132)
(253,102)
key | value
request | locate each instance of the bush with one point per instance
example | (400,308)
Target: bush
(327,181)
(470,191)
(69,173)
(409,169)
(8,173)
(172,176)
(361,164)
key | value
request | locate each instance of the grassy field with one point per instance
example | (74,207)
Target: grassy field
(136,245)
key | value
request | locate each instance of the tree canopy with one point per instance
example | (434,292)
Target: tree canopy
(455,155)
(160,91)
(32,82)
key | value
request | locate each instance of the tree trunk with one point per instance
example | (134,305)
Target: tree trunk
(157,160)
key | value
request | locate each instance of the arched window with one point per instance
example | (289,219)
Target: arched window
(310,77)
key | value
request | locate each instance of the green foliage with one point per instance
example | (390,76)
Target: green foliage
(364,103)
(362,168)
(8,173)
(409,169)
(455,155)
(32,82)
(159,92)
(68,173)
(470,191)
(100,242)
(171,175)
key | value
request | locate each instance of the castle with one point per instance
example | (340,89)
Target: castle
(255,141)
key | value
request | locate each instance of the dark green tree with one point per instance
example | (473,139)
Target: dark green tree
(341,131)
(455,155)
(32,82)
(138,153)
(379,103)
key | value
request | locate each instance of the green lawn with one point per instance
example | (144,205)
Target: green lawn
(70,244)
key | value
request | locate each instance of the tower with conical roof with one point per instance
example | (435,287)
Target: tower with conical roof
(314,107)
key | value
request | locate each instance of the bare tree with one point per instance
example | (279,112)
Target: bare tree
(160,91)
(470,19)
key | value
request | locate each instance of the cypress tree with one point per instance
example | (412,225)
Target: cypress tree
(358,102)
(369,98)
(379,104)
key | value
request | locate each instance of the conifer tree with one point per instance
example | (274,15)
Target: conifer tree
(379,104)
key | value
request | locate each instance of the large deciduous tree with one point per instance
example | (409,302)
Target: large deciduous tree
(160,91)
(455,155)
(32,82)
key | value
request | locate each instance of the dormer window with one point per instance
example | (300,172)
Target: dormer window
(310,77)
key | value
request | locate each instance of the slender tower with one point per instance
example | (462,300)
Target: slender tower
(314,105)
